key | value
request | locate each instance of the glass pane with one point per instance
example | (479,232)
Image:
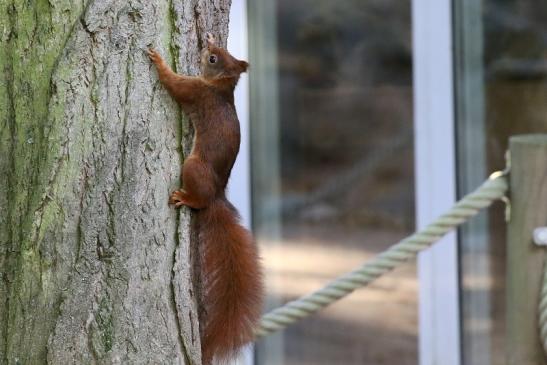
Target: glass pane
(333,172)
(501,58)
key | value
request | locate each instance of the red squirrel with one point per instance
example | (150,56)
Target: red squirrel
(231,272)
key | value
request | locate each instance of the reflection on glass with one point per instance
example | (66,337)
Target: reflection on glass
(332,166)
(501,48)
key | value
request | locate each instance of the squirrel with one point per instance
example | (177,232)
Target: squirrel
(230,268)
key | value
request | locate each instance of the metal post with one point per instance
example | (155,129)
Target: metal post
(528,186)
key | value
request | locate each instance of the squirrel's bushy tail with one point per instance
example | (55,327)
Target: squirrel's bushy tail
(232,282)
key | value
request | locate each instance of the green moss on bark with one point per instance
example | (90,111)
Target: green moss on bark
(33,36)
(105,327)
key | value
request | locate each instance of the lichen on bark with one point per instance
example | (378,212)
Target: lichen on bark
(90,146)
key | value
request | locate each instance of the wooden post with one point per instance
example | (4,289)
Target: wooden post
(525,263)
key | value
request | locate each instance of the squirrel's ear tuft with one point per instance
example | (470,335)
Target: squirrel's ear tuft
(244,65)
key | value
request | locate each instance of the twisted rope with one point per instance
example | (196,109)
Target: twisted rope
(491,190)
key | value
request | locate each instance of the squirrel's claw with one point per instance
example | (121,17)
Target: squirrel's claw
(176,198)
(153,55)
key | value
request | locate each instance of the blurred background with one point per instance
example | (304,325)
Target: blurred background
(333,132)
(336,184)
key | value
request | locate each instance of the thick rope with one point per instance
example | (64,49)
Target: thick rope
(491,190)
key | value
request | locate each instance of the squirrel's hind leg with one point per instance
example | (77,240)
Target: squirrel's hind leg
(198,185)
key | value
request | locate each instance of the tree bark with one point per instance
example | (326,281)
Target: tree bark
(95,267)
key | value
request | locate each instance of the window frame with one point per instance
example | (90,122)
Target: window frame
(435,169)
(239,186)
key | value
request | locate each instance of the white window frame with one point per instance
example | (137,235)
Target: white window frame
(239,189)
(435,167)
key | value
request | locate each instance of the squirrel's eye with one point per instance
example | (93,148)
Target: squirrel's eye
(212,58)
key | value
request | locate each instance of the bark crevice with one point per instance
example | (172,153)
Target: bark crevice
(174,305)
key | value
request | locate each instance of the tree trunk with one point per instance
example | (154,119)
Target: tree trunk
(95,267)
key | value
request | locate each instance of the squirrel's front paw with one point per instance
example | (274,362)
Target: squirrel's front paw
(154,56)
